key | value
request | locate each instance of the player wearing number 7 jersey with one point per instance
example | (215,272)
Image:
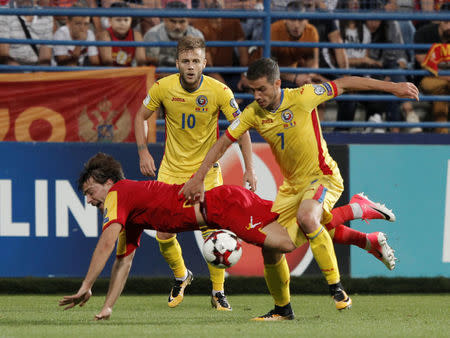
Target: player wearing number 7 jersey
(287,119)
(191,103)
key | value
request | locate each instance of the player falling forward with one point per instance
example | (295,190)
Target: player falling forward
(131,206)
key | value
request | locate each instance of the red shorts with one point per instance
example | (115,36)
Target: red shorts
(239,210)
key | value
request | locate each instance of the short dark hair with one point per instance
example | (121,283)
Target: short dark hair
(264,67)
(101,167)
(189,43)
(176,5)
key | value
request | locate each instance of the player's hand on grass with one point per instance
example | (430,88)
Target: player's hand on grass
(104,314)
(193,190)
(147,164)
(79,298)
(251,179)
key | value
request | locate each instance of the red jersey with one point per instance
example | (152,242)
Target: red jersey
(139,205)
(122,56)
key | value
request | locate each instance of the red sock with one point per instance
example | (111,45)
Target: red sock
(349,236)
(340,215)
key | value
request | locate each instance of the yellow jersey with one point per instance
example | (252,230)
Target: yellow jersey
(293,131)
(191,120)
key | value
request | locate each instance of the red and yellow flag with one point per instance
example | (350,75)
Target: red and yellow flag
(439,52)
(75,106)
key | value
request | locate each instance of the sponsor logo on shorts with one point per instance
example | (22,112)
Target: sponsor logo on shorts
(251,225)
(201,100)
(328,88)
(318,89)
(236,113)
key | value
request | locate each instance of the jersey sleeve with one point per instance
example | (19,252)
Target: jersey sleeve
(311,95)
(153,99)
(240,125)
(228,104)
(112,213)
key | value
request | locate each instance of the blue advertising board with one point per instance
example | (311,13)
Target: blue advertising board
(414,180)
(47,229)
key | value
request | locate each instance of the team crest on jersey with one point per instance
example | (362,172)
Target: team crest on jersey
(318,89)
(201,100)
(287,116)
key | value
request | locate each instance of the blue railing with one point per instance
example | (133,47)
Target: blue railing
(267,16)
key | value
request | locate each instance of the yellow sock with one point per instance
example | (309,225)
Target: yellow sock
(217,277)
(277,279)
(171,251)
(323,251)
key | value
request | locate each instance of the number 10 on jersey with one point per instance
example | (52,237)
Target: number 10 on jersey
(188,121)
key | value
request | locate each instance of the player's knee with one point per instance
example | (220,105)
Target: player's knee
(286,245)
(307,222)
(164,235)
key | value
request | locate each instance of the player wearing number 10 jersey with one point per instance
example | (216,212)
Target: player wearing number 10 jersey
(191,103)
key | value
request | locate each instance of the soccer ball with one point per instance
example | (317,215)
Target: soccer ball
(222,249)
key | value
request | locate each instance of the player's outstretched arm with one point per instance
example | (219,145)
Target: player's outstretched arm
(119,274)
(146,162)
(245,143)
(103,250)
(401,89)
(194,190)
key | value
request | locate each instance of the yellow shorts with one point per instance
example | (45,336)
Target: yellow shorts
(325,189)
(213,178)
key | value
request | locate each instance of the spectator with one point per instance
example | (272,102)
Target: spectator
(328,58)
(220,29)
(298,30)
(354,31)
(435,85)
(120,30)
(171,29)
(77,28)
(25,27)
(389,32)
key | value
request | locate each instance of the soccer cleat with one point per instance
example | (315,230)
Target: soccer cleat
(381,249)
(278,313)
(177,293)
(219,302)
(342,300)
(372,210)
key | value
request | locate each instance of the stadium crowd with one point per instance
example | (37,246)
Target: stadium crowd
(217,29)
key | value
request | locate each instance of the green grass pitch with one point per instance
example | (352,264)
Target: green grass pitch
(371,316)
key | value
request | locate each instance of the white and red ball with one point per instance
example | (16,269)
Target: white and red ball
(222,249)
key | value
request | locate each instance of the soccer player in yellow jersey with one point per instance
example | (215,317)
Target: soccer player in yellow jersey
(287,119)
(191,102)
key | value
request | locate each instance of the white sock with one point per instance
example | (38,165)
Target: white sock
(357,210)
(215,291)
(182,278)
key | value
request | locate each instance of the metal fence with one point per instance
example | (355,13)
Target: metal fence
(267,15)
